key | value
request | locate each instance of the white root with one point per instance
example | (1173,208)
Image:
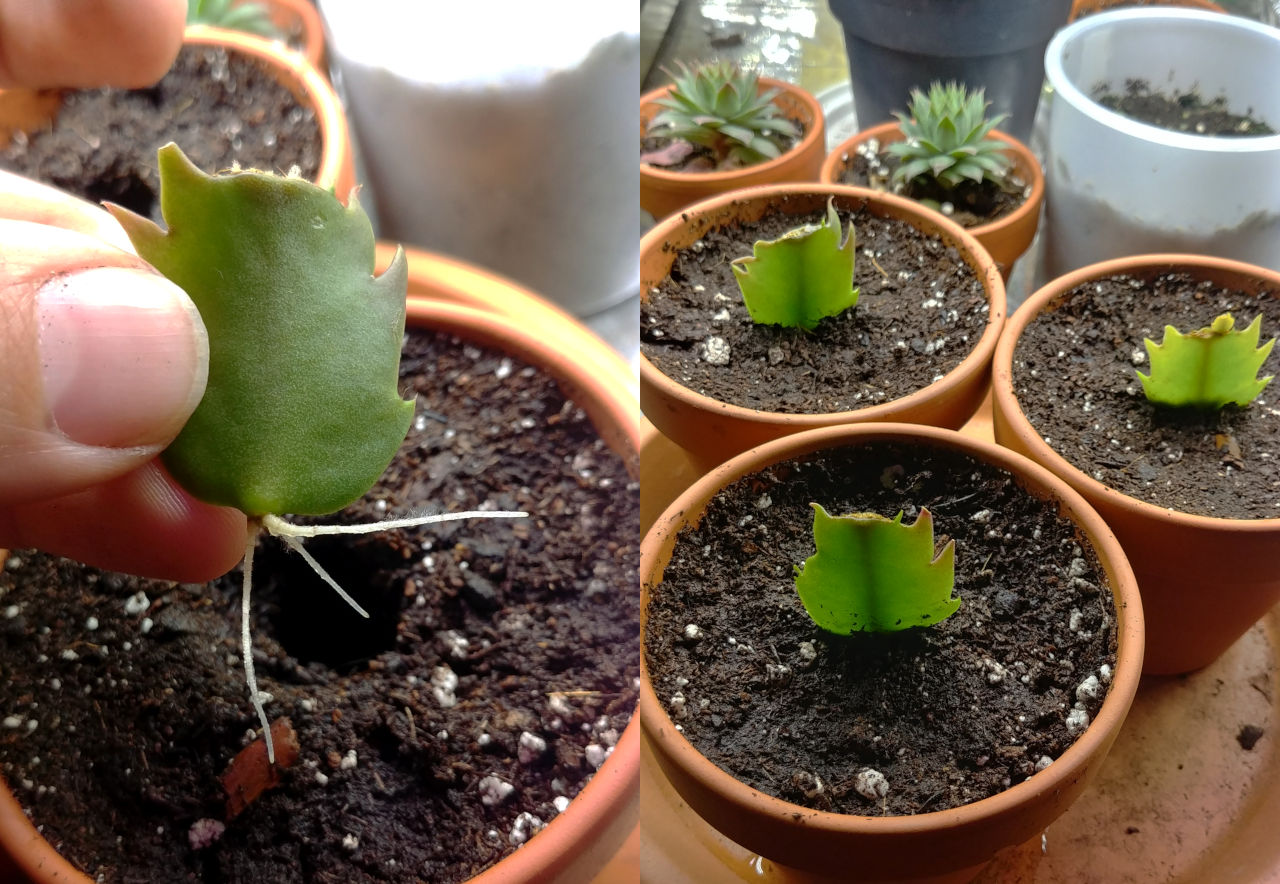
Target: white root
(291,535)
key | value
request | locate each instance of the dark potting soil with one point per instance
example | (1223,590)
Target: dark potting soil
(499,651)
(947,715)
(921,309)
(1181,111)
(1075,376)
(971,203)
(221,108)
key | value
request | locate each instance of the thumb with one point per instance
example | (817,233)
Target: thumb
(102,360)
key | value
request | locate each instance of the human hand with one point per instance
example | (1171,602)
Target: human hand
(102,360)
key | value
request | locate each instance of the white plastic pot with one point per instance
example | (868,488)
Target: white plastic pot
(491,139)
(1120,187)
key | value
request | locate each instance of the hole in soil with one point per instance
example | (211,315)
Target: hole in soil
(129,191)
(309,619)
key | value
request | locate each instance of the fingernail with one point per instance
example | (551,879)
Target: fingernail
(124,356)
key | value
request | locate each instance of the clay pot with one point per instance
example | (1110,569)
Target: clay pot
(663,191)
(337,161)
(28,110)
(577,843)
(300,21)
(1005,238)
(713,431)
(1205,580)
(951,845)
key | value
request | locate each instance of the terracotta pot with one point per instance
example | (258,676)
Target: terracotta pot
(1088,7)
(28,110)
(713,431)
(663,191)
(577,843)
(1005,238)
(949,845)
(300,21)
(1196,606)
(337,161)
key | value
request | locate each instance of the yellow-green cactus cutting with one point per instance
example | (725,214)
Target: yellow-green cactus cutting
(801,277)
(1207,368)
(875,574)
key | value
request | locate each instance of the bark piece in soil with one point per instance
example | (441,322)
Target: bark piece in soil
(949,714)
(410,728)
(1180,111)
(920,311)
(1075,377)
(222,108)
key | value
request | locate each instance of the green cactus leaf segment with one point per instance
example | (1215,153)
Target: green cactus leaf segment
(302,412)
(800,278)
(875,574)
(1207,368)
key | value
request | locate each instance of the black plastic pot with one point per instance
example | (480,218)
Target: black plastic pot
(998,45)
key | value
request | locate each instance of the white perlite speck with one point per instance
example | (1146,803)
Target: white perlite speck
(350,842)
(595,754)
(871,784)
(494,790)
(444,681)
(204,832)
(692,632)
(349,761)
(1077,721)
(531,747)
(1042,762)
(525,826)
(1089,689)
(715,351)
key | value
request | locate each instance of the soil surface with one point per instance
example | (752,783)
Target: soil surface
(1075,376)
(1181,111)
(920,311)
(221,108)
(971,203)
(499,652)
(946,715)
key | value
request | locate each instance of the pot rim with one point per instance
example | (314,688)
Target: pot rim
(1070,766)
(1007,401)
(1145,19)
(930,222)
(815,130)
(834,165)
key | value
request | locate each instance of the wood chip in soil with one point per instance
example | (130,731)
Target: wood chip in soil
(921,310)
(499,652)
(949,714)
(1075,376)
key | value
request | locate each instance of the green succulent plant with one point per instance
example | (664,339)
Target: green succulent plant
(302,411)
(1207,368)
(252,18)
(801,277)
(721,107)
(875,574)
(946,141)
